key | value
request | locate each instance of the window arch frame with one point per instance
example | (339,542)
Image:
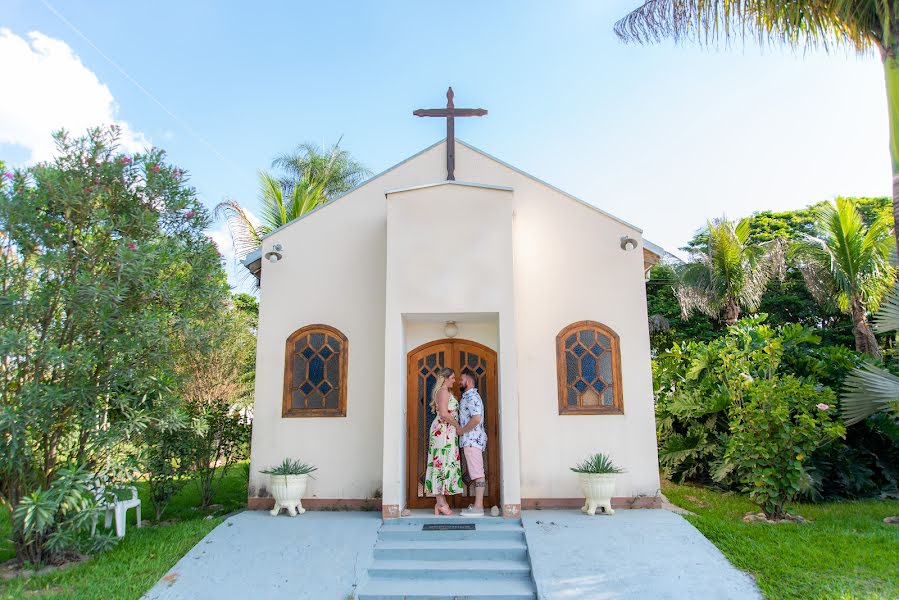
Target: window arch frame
(287,408)
(617,407)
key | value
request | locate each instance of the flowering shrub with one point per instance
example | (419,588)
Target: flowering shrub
(773,432)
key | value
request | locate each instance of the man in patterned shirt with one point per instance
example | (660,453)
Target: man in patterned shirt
(473,439)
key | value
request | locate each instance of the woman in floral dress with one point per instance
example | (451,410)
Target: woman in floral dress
(444,475)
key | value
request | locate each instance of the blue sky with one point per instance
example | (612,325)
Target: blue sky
(662,136)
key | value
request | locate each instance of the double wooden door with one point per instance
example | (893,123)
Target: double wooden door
(423,364)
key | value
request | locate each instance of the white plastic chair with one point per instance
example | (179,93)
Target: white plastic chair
(118,508)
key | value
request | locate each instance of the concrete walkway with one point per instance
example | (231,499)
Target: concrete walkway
(325,555)
(319,556)
(632,554)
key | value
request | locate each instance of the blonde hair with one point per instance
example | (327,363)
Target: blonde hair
(442,374)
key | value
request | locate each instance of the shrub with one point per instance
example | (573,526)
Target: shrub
(52,522)
(782,421)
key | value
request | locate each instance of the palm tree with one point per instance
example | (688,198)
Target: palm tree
(312,178)
(310,162)
(278,209)
(728,272)
(860,25)
(848,262)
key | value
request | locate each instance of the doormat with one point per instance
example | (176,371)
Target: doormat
(448,527)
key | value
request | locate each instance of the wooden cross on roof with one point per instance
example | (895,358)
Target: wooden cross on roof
(450,113)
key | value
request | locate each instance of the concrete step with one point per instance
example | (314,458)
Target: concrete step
(487,531)
(476,571)
(418,521)
(462,588)
(442,549)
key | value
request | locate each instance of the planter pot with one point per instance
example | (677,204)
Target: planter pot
(598,490)
(288,491)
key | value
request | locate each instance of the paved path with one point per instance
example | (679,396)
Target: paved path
(632,554)
(319,556)
(324,556)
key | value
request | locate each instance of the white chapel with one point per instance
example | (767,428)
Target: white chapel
(454,258)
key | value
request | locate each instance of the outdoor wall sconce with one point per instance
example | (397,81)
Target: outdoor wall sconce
(628,243)
(274,255)
(451,329)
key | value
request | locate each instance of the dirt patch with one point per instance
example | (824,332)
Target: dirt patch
(891,520)
(696,501)
(11,569)
(761,518)
(50,591)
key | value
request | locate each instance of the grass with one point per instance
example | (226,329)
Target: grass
(137,562)
(846,552)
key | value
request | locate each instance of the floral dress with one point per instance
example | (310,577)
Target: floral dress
(444,474)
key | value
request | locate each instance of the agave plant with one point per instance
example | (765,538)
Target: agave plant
(291,467)
(598,464)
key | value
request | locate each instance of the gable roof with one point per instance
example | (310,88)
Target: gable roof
(255,256)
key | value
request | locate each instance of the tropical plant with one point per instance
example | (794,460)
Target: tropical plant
(59,519)
(848,263)
(860,25)
(308,162)
(313,178)
(782,421)
(104,266)
(728,272)
(291,467)
(598,464)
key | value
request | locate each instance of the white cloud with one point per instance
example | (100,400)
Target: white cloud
(47,87)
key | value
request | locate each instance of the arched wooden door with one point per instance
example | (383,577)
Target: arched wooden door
(423,363)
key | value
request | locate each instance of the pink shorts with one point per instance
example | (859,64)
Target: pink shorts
(474,458)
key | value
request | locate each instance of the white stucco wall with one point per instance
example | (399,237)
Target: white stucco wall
(333,272)
(365,262)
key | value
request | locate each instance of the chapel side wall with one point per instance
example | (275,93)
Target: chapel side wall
(332,273)
(569,267)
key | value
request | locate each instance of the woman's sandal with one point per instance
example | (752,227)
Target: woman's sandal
(439,510)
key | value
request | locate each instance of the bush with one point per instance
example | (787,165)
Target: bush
(106,267)
(782,421)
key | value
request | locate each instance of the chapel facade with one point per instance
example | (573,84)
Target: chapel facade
(540,294)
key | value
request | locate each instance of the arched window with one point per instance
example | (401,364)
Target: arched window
(589,368)
(315,373)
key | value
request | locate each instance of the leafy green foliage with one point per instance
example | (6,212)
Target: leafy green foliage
(104,267)
(773,432)
(60,518)
(291,467)
(598,464)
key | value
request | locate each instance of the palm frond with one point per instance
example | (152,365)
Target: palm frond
(245,236)
(867,390)
(857,24)
(887,317)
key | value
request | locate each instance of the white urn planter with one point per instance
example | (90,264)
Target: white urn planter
(288,491)
(598,489)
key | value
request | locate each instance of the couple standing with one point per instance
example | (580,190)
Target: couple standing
(464,419)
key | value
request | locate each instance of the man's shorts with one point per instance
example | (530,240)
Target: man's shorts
(474,458)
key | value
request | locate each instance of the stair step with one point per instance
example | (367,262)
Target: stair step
(476,570)
(460,588)
(413,531)
(418,521)
(441,549)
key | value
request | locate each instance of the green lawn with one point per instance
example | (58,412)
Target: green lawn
(138,561)
(846,552)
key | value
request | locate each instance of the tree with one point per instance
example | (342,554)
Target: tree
(309,163)
(104,265)
(313,178)
(860,25)
(848,263)
(728,273)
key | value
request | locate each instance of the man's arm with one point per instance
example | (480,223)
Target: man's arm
(472,423)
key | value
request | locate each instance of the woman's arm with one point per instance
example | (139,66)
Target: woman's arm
(443,409)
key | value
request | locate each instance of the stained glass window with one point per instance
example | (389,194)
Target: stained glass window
(315,373)
(589,370)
